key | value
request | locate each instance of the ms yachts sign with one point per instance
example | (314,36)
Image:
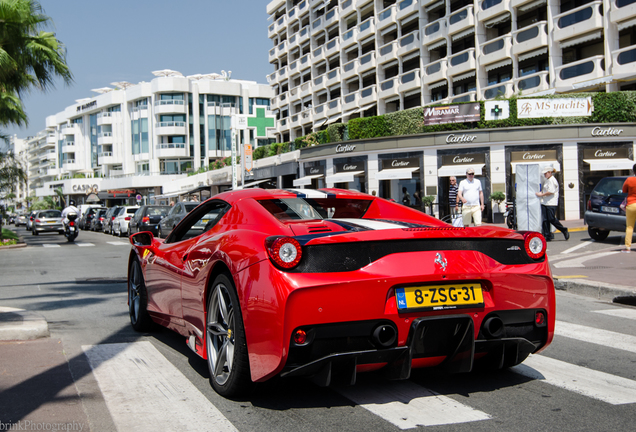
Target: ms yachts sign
(561,107)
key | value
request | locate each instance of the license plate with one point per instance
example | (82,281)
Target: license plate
(50,221)
(606,209)
(439,297)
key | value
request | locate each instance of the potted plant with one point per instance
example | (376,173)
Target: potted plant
(497,215)
(427,201)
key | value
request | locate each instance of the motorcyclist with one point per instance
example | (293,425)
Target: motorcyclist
(70,209)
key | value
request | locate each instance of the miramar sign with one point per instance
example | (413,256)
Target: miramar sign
(561,107)
(461,113)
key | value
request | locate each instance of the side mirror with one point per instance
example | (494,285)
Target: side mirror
(143,238)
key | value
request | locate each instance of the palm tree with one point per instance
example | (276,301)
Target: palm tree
(30,57)
(11,172)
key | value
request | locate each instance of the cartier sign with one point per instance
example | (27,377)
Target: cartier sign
(606,153)
(533,156)
(401,163)
(314,170)
(600,132)
(345,148)
(464,159)
(348,167)
(460,138)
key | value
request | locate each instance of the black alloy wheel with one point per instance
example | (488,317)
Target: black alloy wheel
(138,299)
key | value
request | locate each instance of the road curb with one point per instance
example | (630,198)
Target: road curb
(597,290)
(19,324)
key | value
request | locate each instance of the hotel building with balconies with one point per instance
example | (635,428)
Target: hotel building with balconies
(335,60)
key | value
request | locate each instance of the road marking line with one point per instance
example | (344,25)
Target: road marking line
(408,405)
(50,245)
(84,244)
(577,247)
(578,262)
(620,313)
(118,243)
(596,336)
(588,382)
(145,392)
(571,277)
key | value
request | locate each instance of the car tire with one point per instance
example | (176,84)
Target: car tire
(138,299)
(596,234)
(160,233)
(225,337)
(128,232)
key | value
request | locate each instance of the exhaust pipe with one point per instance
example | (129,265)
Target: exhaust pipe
(384,336)
(493,328)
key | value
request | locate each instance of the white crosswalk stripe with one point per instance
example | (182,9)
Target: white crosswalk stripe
(596,336)
(50,245)
(118,243)
(84,244)
(588,382)
(619,313)
(145,392)
(408,405)
(578,262)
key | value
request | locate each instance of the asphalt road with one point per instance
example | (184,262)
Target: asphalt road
(80,288)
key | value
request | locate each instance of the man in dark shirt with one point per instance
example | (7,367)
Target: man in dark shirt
(452,195)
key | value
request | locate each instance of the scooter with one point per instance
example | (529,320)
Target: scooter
(71,231)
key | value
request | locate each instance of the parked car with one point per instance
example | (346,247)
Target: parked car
(178,212)
(29,222)
(87,217)
(120,223)
(327,285)
(21,220)
(147,218)
(111,214)
(47,221)
(603,212)
(97,222)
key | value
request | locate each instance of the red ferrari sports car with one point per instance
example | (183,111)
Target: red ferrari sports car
(328,283)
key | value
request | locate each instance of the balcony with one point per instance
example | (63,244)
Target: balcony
(434,32)
(293,66)
(281,49)
(470,96)
(366,28)
(69,164)
(499,90)
(387,16)
(69,129)
(272,54)
(436,71)
(170,107)
(318,25)
(350,101)
(368,95)
(462,62)
(272,78)
(303,35)
(271,30)
(294,120)
(320,112)
(461,20)
(292,42)
(496,50)
(350,69)
(307,116)
(567,76)
(406,8)
(536,82)
(280,23)
(408,43)
(529,38)
(163,150)
(320,83)
(388,88)
(104,138)
(318,55)
(171,128)
(332,16)
(624,62)
(491,8)
(294,94)
(50,139)
(333,77)
(305,89)
(104,118)
(410,81)
(68,147)
(367,62)
(346,5)
(622,10)
(304,61)
(349,38)
(333,107)
(578,21)
(106,158)
(282,73)
(387,52)
(332,47)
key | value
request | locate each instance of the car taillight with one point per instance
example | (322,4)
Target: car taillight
(145,219)
(127,218)
(284,251)
(534,244)
(37,220)
(71,223)
(112,218)
(589,204)
(101,219)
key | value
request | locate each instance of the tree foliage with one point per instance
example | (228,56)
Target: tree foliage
(11,172)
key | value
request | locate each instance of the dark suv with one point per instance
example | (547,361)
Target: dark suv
(603,209)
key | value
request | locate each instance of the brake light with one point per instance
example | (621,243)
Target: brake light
(300,337)
(127,218)
(534,244)
(71,223)
(101,219)
(286,252)
(145,219)
(589,204)
(112,218)
(37,220)
(539,319)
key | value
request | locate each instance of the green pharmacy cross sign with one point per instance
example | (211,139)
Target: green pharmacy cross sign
(260,122)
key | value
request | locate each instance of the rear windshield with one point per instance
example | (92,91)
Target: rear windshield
(51,214)
(101,213)
(315,208)
(131,210)
(189,207)
(609,186)
(157,211)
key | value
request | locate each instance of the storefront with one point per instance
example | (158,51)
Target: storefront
(314,177)
(277,176)
(455,163)
(399,171)
(349,173)
(139,196)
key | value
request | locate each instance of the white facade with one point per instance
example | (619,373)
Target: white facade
(335,60)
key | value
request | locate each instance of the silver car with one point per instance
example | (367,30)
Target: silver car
(47,221)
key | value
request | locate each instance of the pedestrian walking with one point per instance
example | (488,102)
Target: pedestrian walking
(629,187)
(472,197)
(452,195)
(549,202)
(406,197)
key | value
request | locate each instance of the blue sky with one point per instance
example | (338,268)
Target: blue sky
(115,40)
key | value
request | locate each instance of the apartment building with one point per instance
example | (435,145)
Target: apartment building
(335,60)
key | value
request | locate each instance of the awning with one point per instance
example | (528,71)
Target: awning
(463,34)
(388,29)
(579,40)
(461,77)
(609,164)
(364,108)
(497,20)
(304,181)
(434,5)
(410,56)
(531,54)
(555,164)
(626,24)
(594,82)
(254,183)
(343,177)
(170,195)
(396,174)
(437,84)
(459,170)
(436,45)
(196,190)
(499,64)
(531,6)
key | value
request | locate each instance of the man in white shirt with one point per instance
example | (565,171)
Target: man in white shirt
(549,202)
(472,197)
